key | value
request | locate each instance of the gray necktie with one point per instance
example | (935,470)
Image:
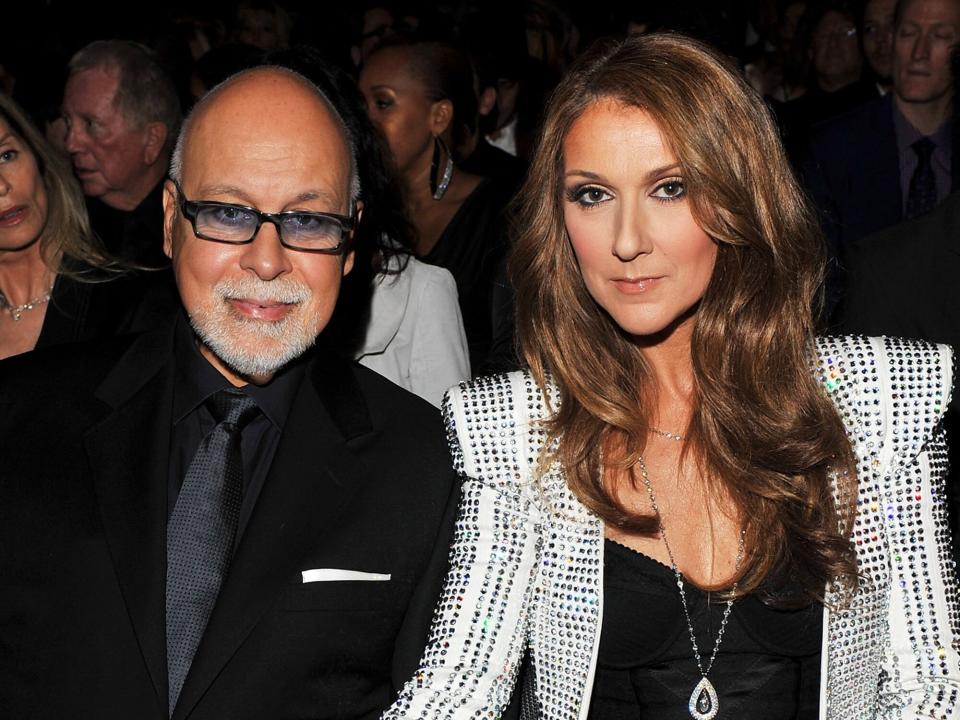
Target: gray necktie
(201,532)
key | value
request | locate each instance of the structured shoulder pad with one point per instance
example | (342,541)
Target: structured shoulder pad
(494,429)
(891,393)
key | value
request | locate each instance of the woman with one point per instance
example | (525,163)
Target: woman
(52,270)
(686,487)
(421,96)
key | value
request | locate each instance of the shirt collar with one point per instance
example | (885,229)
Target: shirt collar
(907,134)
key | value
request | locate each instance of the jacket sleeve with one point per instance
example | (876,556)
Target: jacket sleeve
(479,630)
(921,667)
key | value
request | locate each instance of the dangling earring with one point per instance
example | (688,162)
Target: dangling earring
(439,189)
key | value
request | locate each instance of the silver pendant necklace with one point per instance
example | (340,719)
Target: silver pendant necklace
(703,703)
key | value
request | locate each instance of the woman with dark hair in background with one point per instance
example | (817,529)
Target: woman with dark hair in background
(57,284)
(689,506)
(421,95)
(396,315)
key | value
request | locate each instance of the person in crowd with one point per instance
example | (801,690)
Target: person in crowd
(262,24)
(57,284)
(396,315)
(373,22)
(122,113)
(836,83)
(499,68)
(421,96)
(892,158)
(877,40)
(213,520)
(688,505)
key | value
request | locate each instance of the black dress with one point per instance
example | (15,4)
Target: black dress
(473,247)
(767,668)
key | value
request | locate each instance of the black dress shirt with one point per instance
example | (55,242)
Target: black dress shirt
(195,381)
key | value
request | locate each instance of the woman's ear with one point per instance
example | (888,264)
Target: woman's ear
(441,115)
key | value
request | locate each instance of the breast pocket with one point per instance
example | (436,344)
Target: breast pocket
(345,595)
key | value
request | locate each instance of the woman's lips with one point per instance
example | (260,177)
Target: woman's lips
(637,286)
(13,216)
(268,310)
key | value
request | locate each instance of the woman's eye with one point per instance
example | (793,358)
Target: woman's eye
(588,195)
(669,190)
(8,155)
(382,103)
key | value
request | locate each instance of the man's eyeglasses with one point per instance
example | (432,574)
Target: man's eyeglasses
(239,224)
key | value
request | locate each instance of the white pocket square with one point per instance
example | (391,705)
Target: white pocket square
(328,574)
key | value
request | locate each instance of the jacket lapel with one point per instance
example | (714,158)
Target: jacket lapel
(129,451)
(313,476)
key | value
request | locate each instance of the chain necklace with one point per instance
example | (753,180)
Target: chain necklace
(703,703)
(665,434)
(17,311)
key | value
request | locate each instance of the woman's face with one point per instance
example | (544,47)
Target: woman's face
(23,198)
(642,256)
(399,107)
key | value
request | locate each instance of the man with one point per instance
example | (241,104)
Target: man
(152,566)
(122,113)
(877,38)
(836,84)
(892,158)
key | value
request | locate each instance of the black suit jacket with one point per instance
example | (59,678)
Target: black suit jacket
(101,305)
(853,173)
(361,480)
(903,280)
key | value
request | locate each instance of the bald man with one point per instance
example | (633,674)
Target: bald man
(223,519)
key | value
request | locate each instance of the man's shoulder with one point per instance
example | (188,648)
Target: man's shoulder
(390,409)
(71,368)
(910,243)
(856,127)
(388,397)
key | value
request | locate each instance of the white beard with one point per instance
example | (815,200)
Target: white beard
(255,348)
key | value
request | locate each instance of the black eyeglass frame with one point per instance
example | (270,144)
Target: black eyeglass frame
(190,209)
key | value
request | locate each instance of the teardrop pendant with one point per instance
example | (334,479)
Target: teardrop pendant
(703,703)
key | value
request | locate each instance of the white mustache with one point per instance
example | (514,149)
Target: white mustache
(284,291)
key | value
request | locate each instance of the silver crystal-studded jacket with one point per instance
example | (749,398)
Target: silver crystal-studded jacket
(526,565)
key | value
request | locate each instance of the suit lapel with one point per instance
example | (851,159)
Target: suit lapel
(312,478)
(129,452)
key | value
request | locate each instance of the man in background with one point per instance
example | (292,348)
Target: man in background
(122,114)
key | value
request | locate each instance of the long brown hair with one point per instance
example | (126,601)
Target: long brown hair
(67,232)
(762,427)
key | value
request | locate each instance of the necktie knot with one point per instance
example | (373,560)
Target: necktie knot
(924,148)
(232,408)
